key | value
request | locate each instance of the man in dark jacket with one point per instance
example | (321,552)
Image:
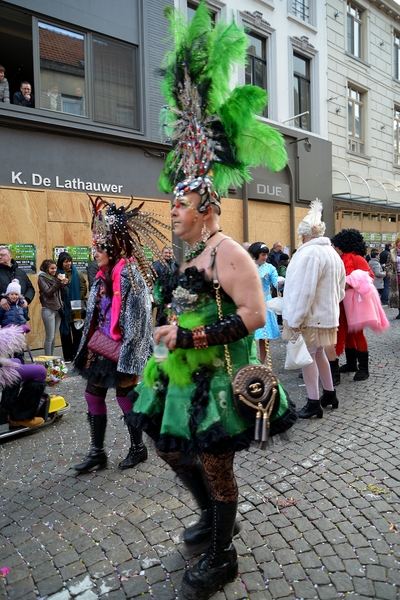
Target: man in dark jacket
(10,270)
(274,255)
(170,264)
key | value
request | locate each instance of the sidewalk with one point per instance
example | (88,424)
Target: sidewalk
(320,514)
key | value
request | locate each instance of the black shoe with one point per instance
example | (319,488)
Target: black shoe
(329,399)
(96,458)
(311,409)
(133,458)
(398,316)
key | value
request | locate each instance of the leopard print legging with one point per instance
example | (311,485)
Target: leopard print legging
(218,471)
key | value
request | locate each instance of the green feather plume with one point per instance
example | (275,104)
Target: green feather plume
(202,109)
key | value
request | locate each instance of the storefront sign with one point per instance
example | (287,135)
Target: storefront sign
(80,255)
(25,255)
(259,189)
(58,182)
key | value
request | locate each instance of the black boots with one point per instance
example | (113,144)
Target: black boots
(363,372)
(311,409)
(195,481)
(329,399)
(351,361)
(334,365)
(137,452)
(219,565)
(96,457)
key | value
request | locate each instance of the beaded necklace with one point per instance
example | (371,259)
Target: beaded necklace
(197,249)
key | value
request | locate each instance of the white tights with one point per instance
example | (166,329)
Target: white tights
(320,366)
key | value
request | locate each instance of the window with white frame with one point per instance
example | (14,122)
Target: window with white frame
(192,7)
(396,55)
(301,9)
(355,116)
(354,30)
(396,136)
(302,91)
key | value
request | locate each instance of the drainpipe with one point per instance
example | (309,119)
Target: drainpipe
(245,213)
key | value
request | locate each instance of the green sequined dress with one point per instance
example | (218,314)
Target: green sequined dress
(185,404)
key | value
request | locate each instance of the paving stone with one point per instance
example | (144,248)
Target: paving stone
(279,588)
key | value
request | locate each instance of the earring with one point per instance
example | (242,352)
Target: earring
(205,233)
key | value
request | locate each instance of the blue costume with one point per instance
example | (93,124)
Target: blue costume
(268,275)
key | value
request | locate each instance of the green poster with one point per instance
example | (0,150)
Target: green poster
(24,255)
(81,255)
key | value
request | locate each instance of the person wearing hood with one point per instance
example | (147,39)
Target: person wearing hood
(314,286)
(10,270)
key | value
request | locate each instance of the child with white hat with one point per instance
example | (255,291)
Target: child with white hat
(16,315)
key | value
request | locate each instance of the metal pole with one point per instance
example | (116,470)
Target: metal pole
(245,213)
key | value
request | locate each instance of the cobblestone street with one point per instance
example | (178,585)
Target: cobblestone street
(319,515)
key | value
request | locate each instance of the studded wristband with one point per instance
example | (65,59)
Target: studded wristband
(225,331)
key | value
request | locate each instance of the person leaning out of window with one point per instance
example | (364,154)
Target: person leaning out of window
(24,97)
(4,89)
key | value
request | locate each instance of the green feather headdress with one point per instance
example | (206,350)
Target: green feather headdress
(214,131)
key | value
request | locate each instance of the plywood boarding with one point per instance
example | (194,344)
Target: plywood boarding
(48,218)
(269,222)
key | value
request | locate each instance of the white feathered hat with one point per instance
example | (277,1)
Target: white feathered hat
(312,225)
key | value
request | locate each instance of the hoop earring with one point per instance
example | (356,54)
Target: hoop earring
(205,233)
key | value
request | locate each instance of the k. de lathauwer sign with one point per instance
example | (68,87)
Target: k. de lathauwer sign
(57,182)
(260,189)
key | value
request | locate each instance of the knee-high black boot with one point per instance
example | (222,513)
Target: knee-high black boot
(137,452)
(363,371)
(195,481)
(351,361)
(219,565)
(96,457)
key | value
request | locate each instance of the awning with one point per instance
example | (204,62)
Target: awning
(367,196)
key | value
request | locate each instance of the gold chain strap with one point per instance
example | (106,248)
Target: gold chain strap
(221,316)
(217,287)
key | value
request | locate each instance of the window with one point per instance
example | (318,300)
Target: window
(114,82)
(62,69)
(191,9)
(75,72)
(355,121)
(301,9)
(396,56)
(396,136)
(256,68)
(302,91)
(354,29)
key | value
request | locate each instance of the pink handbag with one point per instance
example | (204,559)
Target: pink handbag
(102,344)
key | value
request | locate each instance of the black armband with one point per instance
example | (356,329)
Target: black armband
(227,330)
